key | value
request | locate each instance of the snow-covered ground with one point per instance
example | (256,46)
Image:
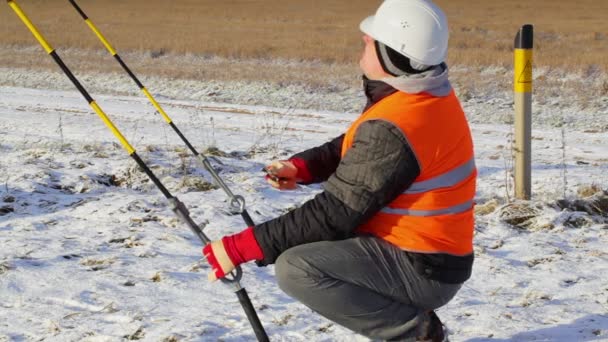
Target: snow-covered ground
(89,250)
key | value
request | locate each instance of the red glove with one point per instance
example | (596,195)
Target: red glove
(225,255)
(284,174)
(303,174)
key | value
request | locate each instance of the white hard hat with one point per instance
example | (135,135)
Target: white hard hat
(418,29)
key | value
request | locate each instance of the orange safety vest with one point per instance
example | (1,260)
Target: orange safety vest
(435,214)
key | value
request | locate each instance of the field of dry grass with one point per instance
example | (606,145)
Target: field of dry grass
(569,35)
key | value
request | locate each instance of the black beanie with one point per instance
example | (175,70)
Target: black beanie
(395,63)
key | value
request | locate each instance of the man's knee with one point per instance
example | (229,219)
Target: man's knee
(293,273)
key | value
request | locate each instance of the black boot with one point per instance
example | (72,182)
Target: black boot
(431,330)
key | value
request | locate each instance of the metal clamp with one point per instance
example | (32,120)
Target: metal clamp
(238,203)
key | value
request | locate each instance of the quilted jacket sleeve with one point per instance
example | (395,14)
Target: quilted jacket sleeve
(323,160)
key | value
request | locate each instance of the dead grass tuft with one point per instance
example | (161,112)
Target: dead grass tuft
(214,151)
(97,264)
(132,177)
(588,190)
(137,335)
(189,183)
(5,267)
(486,208)
(520,214)
(596,204)
(156,277)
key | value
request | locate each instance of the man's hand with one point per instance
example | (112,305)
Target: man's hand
(282,175)
(226,254)
(218,258)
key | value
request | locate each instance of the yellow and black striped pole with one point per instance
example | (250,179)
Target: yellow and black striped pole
(178,207)
(522,86)
(237,202)
(112,51)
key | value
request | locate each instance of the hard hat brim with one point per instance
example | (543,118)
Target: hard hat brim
(367,25)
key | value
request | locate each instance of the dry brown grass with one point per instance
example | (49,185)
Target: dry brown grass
(313,29)
(569,35)
(567,32)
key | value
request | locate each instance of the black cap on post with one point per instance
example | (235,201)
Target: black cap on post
(525,37)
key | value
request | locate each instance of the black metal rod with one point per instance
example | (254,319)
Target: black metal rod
(131,74)
(151,175)
(71,76)
(82,14)
(260,333)
(247,218)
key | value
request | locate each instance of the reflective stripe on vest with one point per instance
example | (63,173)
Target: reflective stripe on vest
(456,209)
(445,180)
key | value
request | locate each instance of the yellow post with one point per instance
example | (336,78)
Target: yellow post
(522,86)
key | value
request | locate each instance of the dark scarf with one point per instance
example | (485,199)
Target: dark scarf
(375,91)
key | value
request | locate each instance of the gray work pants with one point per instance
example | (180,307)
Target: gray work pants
(364,284)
